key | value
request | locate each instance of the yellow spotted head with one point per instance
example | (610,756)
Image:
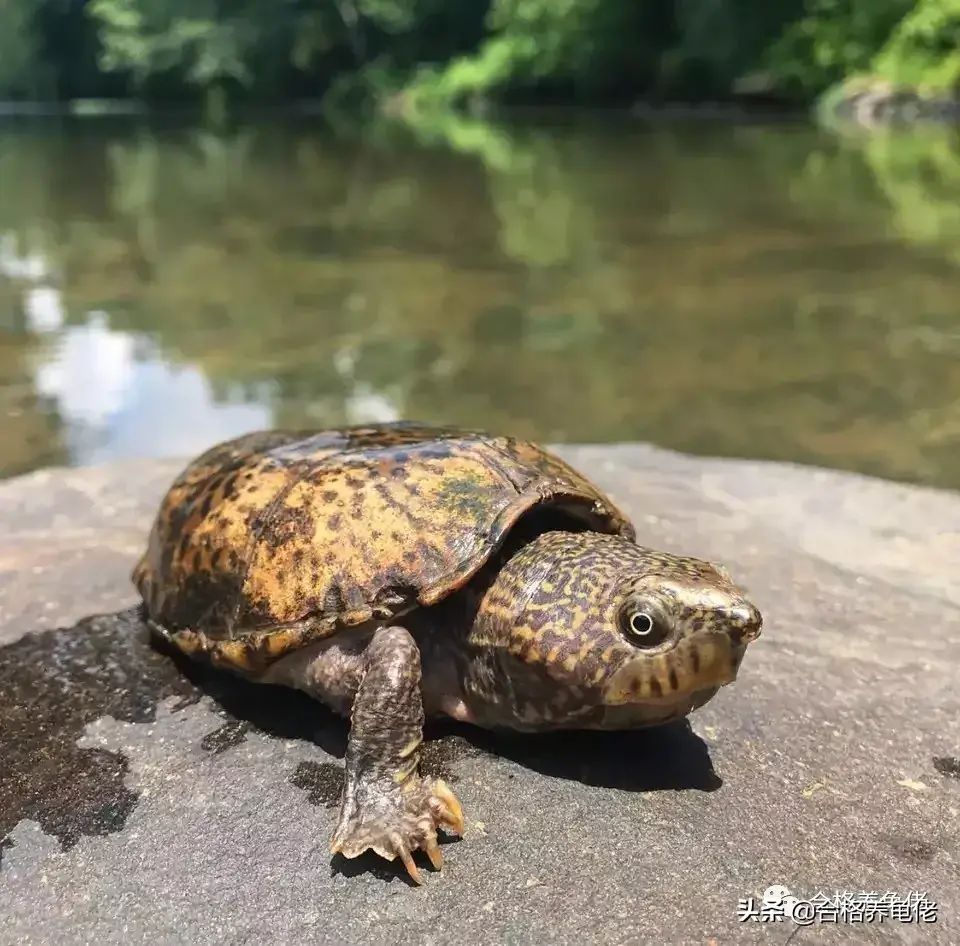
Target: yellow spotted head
(591,630)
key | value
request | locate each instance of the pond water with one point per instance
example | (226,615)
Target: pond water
(773,292)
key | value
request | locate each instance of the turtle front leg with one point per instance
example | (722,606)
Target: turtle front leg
(386,805)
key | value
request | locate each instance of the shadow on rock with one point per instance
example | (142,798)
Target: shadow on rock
(57,682)
(671,757)
(280,712)
(668,757)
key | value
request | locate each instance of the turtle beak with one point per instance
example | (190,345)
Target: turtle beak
(745,626)
(746,623)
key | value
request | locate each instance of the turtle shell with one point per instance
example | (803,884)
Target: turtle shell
(269,541)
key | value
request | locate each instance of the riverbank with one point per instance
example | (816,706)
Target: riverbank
(864,103)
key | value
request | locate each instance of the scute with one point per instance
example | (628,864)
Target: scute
(270,540)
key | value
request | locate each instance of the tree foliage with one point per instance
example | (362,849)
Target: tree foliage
(583,51)
(909,42)
(22,69)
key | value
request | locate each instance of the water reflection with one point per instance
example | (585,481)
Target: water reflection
(762,292)
(120,399)
(112,390)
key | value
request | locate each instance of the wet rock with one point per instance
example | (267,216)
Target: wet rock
(143,799)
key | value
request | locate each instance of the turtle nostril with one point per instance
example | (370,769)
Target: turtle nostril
(746,623)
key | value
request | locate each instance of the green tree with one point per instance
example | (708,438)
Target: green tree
(910,42)
(433,53)
(21,73)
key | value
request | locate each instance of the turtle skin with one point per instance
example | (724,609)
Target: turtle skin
(400,571)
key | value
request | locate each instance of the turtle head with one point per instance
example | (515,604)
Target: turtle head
(682,629)
(594,631)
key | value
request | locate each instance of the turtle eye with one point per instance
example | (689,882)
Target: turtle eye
(641,624)
(644,628)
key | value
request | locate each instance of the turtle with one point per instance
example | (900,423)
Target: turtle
(400,572)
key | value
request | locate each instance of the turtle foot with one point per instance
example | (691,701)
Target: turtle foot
(399,821)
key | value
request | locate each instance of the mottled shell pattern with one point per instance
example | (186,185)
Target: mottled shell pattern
(272,540)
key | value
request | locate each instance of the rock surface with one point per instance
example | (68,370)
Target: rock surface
(143,801)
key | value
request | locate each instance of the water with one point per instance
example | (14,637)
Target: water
(743,291)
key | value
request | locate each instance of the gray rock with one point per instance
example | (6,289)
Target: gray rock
(147,801)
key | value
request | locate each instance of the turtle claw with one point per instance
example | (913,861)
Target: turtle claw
(446,807)
(397,825)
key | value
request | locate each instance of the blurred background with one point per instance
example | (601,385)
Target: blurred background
(221,217)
